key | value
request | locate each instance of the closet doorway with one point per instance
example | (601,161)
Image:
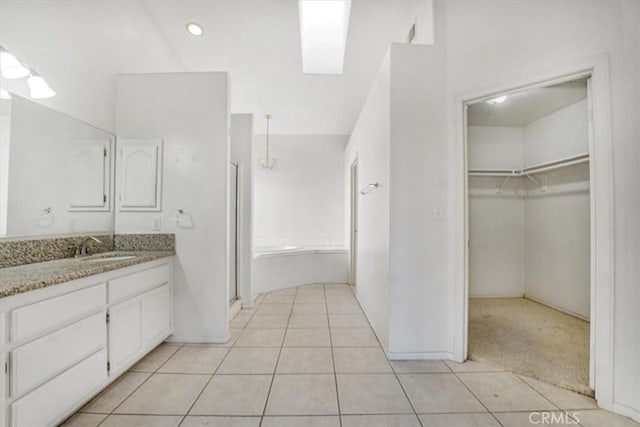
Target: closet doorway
(529,232)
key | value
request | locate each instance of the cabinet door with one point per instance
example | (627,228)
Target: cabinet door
(89,177)
(140,172)
(125,333)
(156,317)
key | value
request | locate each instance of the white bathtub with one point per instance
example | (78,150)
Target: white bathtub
(278,267)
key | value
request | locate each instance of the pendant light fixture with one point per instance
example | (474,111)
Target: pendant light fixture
(268,163)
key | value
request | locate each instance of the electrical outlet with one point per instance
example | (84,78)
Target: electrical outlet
(73,224)
(157,224)
(437,213)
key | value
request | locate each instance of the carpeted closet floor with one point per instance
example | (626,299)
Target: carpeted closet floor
(531,339)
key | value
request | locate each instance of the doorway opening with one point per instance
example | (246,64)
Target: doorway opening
(529,217)
(233,236)
(353,239)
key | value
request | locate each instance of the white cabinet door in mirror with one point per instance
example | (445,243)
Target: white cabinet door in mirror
(88,174)
(139,170)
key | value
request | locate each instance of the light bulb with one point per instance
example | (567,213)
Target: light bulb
(4,94)
(194,29)
(39,87)
(497,100)
(11,67)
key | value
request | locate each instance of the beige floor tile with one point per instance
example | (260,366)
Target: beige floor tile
(305,360)
(241,320)
(432,393)
(156,357)
(342,308)
(504,392)
(249,360)
(285,291)
(348,321)
(261,321)
(419,366)
(261,338)
(309,299)
(201,420)
(472,366)
(407,420)
(164,394)
(307,338)
(303,395)
(528,419)
(371,394)
(305,308)
(317,286)
(316,421)
(274,309)
(563,399)
(84,420)
(341,299)
(350,337)
(600,418)
(310,293)
(308,321)
(338,290)
(459,420)
(279,299)
(116,393)
(360,360)
(199,359)
(141,421)
(233,395)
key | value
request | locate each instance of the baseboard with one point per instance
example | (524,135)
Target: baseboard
(626,411)
(182,339)
(497,296)
(420,355)
(555,307)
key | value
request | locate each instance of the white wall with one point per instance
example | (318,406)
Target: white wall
(494,147)
(5,144)
(369,144)
(559,135)
(241,153)
(38,176)
(302,201)
(190,111)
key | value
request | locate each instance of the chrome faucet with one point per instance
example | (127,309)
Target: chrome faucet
(82,249)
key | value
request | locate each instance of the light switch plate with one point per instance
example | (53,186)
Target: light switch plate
(157,224)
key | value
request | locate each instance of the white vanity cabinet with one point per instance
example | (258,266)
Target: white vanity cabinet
(62,344)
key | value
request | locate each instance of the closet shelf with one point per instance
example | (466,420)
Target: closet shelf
(530,170)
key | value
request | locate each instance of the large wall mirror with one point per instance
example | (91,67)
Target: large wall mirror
(56,172)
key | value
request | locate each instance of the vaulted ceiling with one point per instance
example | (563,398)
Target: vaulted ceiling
(80,46)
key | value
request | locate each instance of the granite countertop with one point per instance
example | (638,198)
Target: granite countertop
(28,277)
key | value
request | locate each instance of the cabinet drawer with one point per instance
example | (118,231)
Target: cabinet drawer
(46,315)
(42,359)
(46,405)
(136,283)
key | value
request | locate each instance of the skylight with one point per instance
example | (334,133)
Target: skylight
(324,25)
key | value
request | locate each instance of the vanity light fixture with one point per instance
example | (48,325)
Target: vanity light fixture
(194,28)
(4,94)
(268,163)
(39,87)
(11,67)
(496,100)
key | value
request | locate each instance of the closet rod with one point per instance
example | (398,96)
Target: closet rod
(542,167)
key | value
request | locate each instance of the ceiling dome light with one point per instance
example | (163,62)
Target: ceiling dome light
(4,94)
(496,100)
(11,67)
(39,87)
(194,29)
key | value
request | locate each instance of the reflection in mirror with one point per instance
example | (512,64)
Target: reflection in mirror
(56,172)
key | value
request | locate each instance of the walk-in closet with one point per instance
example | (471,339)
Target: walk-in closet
(529,233)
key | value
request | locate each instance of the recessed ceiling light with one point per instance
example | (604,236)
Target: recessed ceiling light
(194,29)
(323,34)
(496,100)
(4,94)
(12,67)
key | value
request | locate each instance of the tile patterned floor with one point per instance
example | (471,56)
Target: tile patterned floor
(307,357)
